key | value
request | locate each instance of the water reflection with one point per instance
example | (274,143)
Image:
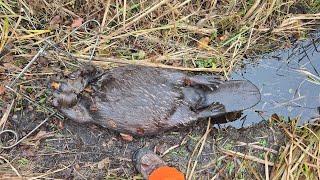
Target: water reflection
(289,81)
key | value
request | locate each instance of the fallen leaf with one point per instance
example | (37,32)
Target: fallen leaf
(187,82)
(112,123)
(2,90)
(55,20)
(275,117)
(88,89)
(103,163)
(77,22)
(223,37)
(288,45)
(204,43)
(126,137)
(55,85)
(60,124)
(161,148)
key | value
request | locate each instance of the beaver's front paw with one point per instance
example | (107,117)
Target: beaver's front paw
(64,95)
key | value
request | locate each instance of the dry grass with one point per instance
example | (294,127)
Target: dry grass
(300,158)
(182,34)
(186,34)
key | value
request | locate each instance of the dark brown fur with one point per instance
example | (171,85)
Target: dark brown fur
(143,100)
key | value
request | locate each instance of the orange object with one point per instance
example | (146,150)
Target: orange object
(166,173)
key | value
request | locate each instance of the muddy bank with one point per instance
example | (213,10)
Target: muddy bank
(94,152)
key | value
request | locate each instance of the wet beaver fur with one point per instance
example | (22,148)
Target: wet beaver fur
(145,101)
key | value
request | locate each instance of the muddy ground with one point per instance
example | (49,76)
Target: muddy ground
(65,149)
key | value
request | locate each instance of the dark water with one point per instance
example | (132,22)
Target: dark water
(285,82)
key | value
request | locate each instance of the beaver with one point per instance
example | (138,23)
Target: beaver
(141,100)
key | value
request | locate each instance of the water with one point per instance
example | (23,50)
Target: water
(283,78)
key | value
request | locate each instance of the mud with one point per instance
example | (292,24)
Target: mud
(96,152)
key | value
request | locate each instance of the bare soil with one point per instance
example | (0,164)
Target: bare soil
(78,151)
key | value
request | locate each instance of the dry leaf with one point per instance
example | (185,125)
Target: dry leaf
(223,37)
(77,22)
(88,89)
(60,124)
(55,20)
(161,148)
(77,167)
(55,85)
(275,117)
(2,90)
(204,43)
(103,163)
(126,137)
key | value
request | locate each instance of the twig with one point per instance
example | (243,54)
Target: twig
(58,115)
(245,156)
(170,149)
(103,23)
(173,147)
(53,172)
(266,167)
(6,115)
(252,9)
(202,141)
(12,167)
(28,65)
(258,147)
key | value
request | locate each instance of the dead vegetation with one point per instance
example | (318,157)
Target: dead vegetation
(300,158)
(210,36)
